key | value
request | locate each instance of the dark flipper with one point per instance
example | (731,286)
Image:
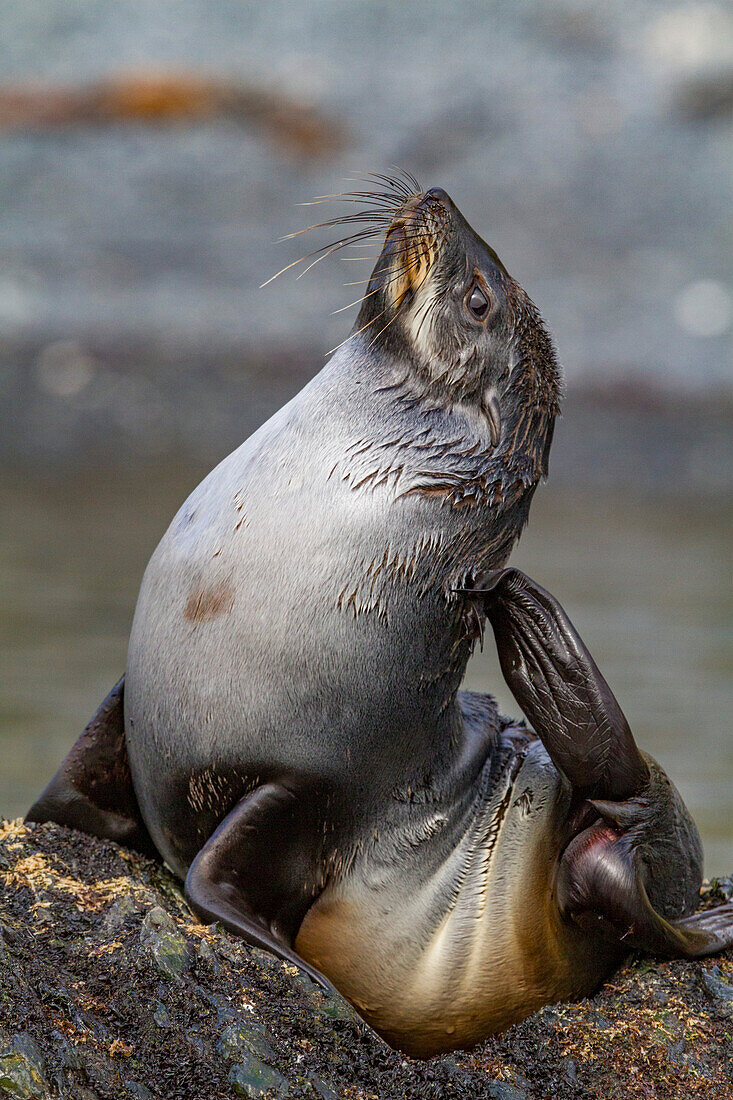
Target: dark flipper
(92,790)
(635,871)
(261,871)
(601,887)
(559,687)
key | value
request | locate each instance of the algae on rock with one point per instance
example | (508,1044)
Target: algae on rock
(110,988)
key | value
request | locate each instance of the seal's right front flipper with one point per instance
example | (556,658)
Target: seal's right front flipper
(262,870)
(560,688)
(635,871)
(92,791)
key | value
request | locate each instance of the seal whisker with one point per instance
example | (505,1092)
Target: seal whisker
(326,248)
(358,301)
(391,320)
(380,201)
(381,286)
(395,183)
(376,227)
(381,209)
(343,220)
(401,178)
(360,330)
(395,251)
(401,304)
(328,251)
(408,176)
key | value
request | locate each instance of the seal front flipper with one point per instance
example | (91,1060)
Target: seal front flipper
(92,791)
(260,872)
(633,870)
(560,688)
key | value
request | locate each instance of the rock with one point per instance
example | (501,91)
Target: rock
(570,1071)
(168,948)
(120,912)
(161,1016)
(719,991)
(327,1001)
(245,1036)
(501,1090)
(206,953)
(117,997)
(22,1072)
(322,1089)
(138,1091)
(253,1078)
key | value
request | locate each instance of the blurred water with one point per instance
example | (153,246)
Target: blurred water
(647,583)
(559,126)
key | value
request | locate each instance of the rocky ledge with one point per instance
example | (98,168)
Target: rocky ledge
(109,988)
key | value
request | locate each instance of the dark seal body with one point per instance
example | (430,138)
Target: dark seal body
(294,741)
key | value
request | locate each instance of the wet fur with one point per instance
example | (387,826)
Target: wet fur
(299,640)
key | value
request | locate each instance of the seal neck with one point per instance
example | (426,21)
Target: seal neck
(417,443)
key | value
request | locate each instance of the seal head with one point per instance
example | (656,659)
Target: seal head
(442,303)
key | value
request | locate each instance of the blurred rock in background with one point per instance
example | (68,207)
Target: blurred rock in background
(590,145)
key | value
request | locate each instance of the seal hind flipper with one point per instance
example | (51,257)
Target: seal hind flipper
(560,688)
(92,791)
(258,873)
(601,887)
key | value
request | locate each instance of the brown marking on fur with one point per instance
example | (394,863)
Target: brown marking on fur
(205,604)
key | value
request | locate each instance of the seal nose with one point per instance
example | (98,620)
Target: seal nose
(440,196)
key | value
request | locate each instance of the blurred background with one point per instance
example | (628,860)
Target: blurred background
(151,153)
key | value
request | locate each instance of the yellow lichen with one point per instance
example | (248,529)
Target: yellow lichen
(14,828)
(39,872)
(118,1048)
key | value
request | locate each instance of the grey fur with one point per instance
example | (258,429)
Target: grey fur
(336,646)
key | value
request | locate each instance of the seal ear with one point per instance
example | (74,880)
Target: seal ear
(560,689)
(92,791)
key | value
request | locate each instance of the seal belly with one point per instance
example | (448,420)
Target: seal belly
(457,951)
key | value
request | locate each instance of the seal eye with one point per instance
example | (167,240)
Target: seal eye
(477,302)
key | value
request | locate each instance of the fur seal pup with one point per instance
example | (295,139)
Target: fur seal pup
(294,743)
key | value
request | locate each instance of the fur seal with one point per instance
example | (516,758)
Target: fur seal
(294,743)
